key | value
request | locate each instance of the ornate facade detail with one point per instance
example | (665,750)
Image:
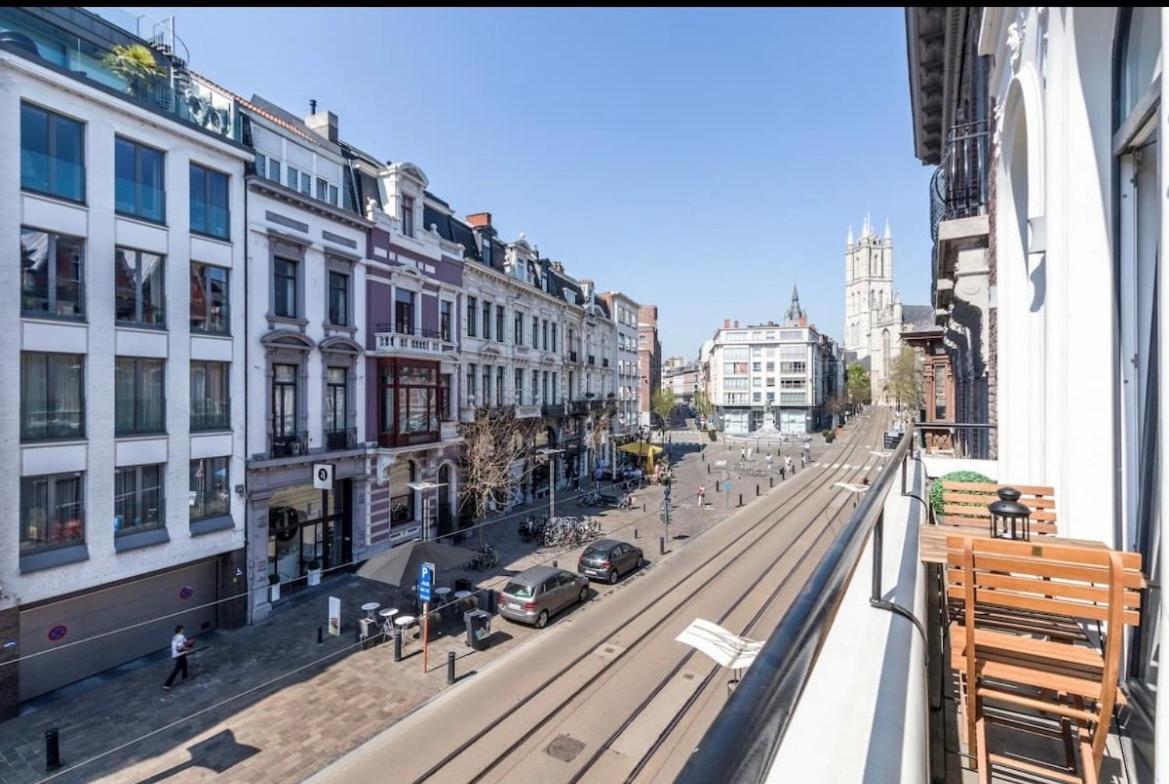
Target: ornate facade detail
(1015,35)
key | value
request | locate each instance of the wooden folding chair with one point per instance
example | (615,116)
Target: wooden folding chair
(1013,644)
(965,505)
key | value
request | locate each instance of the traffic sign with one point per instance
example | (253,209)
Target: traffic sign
(727,485)
(425,581)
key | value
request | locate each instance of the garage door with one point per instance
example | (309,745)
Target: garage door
(50,627)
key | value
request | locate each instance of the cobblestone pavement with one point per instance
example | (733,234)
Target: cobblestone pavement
(267,703)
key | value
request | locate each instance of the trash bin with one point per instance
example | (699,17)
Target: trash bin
(478,628)
(462,584)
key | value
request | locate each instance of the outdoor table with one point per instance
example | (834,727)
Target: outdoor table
(462,597)
(387,616)
(403,622)
(370,608)
(932,541)
(442,596)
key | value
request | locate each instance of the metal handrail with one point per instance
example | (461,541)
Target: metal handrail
(740,746)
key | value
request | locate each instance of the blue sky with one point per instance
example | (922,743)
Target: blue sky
(702,160)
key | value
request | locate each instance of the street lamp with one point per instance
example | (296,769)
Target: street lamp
(548,452)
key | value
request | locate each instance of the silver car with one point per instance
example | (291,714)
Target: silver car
(535,595)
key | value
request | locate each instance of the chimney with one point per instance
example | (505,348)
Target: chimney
(322,123)
(479,219)
(586,288)
(558,266)
(726,323)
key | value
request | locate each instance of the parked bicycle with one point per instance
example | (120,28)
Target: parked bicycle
(591,498)
(532,527)
(570,531)
(628,501)
(486,558)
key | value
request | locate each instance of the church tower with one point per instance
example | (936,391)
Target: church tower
(868,285)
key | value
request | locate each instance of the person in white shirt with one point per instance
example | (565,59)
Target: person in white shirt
(179,645)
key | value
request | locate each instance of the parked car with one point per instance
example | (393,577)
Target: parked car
(609,559)
(536,594)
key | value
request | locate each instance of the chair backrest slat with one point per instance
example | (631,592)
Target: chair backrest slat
(966,501)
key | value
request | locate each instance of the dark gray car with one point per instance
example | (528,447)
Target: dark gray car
(609,559)
(535,595)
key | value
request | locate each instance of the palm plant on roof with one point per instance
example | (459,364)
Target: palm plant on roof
(135,63)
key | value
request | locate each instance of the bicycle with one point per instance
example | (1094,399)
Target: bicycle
(627,501)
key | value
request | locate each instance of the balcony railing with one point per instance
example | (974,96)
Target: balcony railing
(554,409)
(341,439)
(389,340)
(288,444)
(960,439)
(741,744)
(959,187)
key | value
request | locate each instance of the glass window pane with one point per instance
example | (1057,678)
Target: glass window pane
(150,504)
(217,311)
(125,498)
(69,279)
(306,184)
(199,297)
(125,287)
(125,395)
(274,170)
(217,205)
(125,176)
(293,180)
(150,187)
(35,271)
(34,148)
(151,397)
(153,304)
(68,164)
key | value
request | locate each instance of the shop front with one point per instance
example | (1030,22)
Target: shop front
(309,528)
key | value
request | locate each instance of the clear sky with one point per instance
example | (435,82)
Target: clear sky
(701,160)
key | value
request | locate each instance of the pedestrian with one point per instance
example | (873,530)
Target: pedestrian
(782,473)
(768,459)
(701,496)
(742,454)
(179,646)
(788,462)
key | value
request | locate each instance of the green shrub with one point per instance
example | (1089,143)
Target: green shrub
(954,476)
(713,434)
(829,435)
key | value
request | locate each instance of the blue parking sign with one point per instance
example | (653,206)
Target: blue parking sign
(425,581)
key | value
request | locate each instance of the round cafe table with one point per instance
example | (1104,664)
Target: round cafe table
(441,597)
(370,608)
(403,622)
(387,616)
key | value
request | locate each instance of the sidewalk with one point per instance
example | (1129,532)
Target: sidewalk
(266,703)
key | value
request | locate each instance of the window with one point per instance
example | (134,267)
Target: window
(52,398)
(535,332)
(139,396)
(444,397)
(52,153)
(283,401)
(338,298)
(138,180)
(756,397)
(487,251)
(793,368)
(210,487)
(273,170)
(518,328)
(499,384)
(293,179)
(519,386)
(770,367)
(322,189)
(407,216)
(336,401)
(545,334)
(554,345)
(138,498)
(487,321)
(52,511)
(756,366)
(445,309)
(285,271)
(535,386)
(209,299)
(471,383)
(499,323)
(52,279)
(404,311)
(333,196)
(138,288)
(555,387)
(472,306)
(487,387)
(401,495)
(209,202)
(306,184)
(544,388)
(409,397)
(210,395)
(261,165)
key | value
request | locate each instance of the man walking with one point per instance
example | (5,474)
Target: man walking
(702,496)
(788,461)
(179,645)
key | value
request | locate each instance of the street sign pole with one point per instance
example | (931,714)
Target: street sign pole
(425,585)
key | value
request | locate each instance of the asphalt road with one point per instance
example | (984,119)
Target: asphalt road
(606,694)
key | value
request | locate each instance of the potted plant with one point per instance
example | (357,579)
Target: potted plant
(135,63)
(273,588)
(314,572)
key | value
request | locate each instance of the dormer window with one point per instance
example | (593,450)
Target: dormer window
(487,251)
(407,216)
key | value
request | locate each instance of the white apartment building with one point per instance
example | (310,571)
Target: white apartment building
(124,323)
(766,367)
(623,310)
(306,372)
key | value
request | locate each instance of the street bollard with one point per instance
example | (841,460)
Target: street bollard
(771,481)
(756,491)
(555,564)
(397,644)
(661,545)
(320,635)
(718,486)
(707,469)
(634,533)
(740,499)
(52,749)
(450,667)
(643,506)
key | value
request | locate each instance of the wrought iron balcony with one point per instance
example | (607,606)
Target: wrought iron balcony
(959,187)
(555,409)
(341,439)
(288,444)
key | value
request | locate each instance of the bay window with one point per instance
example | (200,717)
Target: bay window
(409,395)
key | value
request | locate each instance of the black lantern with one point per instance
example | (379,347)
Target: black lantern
(1006,513)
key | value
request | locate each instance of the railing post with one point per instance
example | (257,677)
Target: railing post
(878,537)
(904,464)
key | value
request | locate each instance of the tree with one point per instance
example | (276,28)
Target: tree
(904,381)
(492,442)
(662,404)
(833,406)
(858,383)
(702,404)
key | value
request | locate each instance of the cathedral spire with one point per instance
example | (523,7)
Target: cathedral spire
(795,315)
(867,227)
(849,240)
(888,230)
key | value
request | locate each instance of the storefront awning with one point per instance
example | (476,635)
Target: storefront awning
(641,449)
